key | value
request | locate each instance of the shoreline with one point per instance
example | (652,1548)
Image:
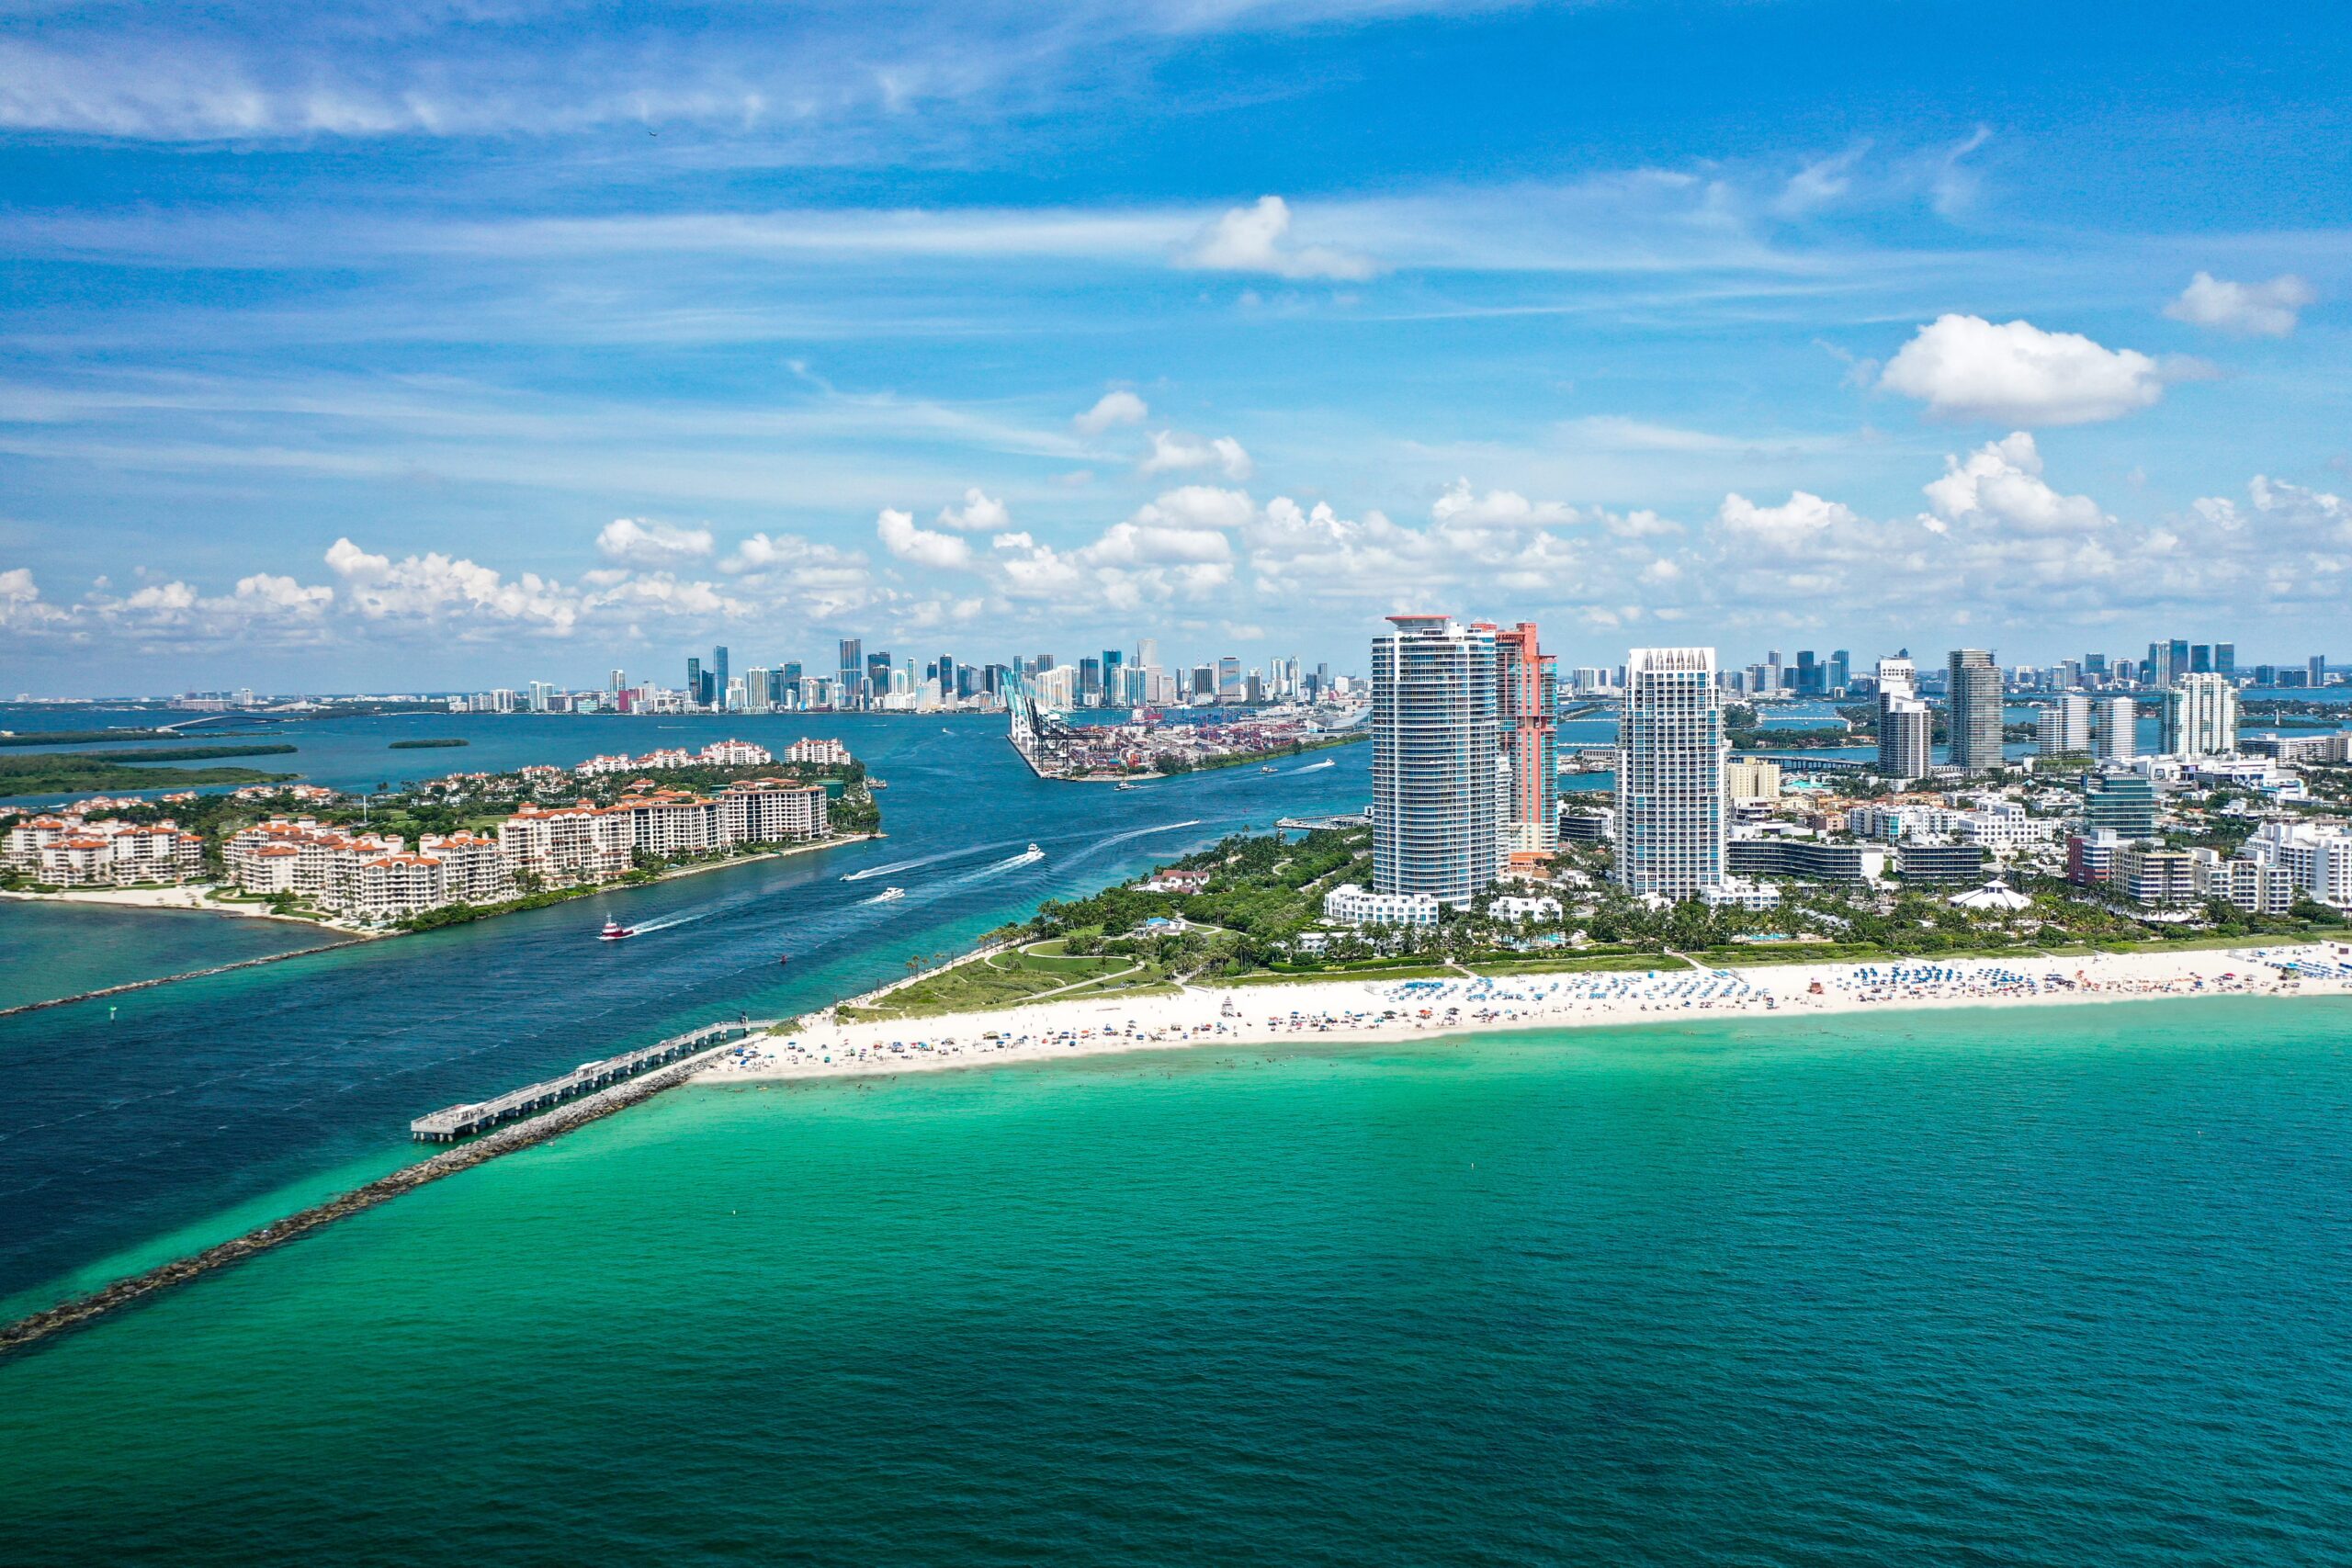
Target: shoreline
(192,897)
(1370,1012)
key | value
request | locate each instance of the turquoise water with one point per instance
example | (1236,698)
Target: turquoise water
(178,1115)
(2062,1286)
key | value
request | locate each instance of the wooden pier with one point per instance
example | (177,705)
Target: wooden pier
(464,1121)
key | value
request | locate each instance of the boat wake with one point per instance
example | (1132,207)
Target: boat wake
(924,860)
(888,896)
(652,926)
(1144,832)
(1029,856)
(1314,767)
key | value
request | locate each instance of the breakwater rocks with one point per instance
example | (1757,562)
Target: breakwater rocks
(184,975)
(83,1310)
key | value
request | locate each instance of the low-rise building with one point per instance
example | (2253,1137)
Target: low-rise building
(2249,884)
(1351,904)
(70,850)
(1740,893)
(821,753)
(1522,909)
(2155,878)
(1939,863)
(2319,857)
(1814,860)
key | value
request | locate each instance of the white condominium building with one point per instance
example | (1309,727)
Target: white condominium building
(817,753)
(1439,784)
(2063,728)
(2318,858)
(72,851)
(1905,727)
(1671,813)
(1351,904)
(2115,729)
(2200,715)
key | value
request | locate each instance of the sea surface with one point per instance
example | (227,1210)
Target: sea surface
(137,1128)
(63,950)
(2029,1286)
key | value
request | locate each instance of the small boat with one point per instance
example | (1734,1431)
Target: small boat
(1033,853)
(1267,769)
(1123,785)
(889,893)
(784,958)
(614,930)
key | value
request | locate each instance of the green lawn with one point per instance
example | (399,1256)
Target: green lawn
(1009,978)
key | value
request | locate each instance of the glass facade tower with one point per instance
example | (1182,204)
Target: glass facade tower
(1435,764)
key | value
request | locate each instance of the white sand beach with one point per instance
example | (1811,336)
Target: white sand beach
(1391,1009)
(187,897)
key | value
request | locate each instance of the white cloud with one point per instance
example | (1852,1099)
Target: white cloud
(1819,184)
(903,539)
(2000,483)
(21,606)
(2257,309)
(1173,451)
(2284,516)
(1255,239)
(1966,367)
(1791,527)
(1112,409)
(434,586)
(1461,507)
(641,541)
(263,595)
(980,513)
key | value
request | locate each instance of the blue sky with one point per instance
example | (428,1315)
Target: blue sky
(467,343)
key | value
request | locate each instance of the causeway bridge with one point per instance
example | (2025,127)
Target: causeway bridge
(465,1121)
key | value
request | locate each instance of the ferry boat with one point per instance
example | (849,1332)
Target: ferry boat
(614,930)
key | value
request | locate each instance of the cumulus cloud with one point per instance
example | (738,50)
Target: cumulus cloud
(923,547)
(1112,409)
(1788,527)
(1173,451)
(435,587)
(1966,367)
(979,514)
(2253,310)
(1257,239)
(641,541)
(2001,483)
(2287,516)
(21,606)
(1497,509)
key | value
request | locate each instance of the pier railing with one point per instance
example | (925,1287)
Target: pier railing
(465,1121)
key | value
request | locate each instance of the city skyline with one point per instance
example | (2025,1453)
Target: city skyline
(333,355)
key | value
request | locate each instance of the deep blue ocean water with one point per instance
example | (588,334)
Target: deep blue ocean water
(199,1108)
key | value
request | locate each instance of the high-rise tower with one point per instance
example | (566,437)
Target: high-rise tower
(1434,817)
(1671,815)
